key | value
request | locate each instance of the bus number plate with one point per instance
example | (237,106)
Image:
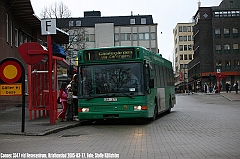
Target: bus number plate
(110,99)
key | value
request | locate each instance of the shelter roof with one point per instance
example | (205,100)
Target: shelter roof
(23,10)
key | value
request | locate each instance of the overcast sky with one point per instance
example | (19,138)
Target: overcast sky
(166,13)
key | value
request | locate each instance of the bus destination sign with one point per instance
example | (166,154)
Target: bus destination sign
(109,54)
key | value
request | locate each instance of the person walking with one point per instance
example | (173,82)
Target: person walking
(69,103)
(236,87)
(227,87)
(75,96)
(63,99)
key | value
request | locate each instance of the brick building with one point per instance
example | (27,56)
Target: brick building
(216,45)
(19,25)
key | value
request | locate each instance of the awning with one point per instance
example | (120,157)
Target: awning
(58,51)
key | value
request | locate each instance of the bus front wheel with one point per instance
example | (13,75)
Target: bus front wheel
(155,113)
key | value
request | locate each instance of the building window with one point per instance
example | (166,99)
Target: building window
(190,47)
(235,32)
(218,49)
(20,38)
(153,36)
(125,37)
(189,29)
(236,64)
(190,56)
(226,33)
(146,36)
(132,21)
(134,37)
(185,57)
(16,37)
(143,21)
(227,65)
(226,48)
(218,65)
(180,47)
(11,32)
(225,14)
(235,49)
(185,38)
(189,38)
(116,37)
(181,57)
(141,36)
(7,25)
(217,33)
(180,38)
(78,23)
(184,28)
(185,47)
(90,37)
(70,23)
(180,28)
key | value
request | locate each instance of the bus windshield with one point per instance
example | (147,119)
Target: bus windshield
(112,79)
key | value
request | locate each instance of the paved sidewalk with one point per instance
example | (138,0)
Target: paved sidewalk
(11,120)
(231,96)
(11,123)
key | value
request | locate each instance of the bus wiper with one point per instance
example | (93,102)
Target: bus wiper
(90,97)
(128,95)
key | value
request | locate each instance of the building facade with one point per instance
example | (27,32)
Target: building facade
(216,45)
(183,46)
(20,25)
(134,30)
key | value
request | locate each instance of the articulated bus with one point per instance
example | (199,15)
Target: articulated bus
(124,82)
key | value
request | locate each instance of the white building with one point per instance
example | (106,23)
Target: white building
(183,46)
(132,30)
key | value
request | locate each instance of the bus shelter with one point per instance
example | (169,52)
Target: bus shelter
(42,90)
(38,84)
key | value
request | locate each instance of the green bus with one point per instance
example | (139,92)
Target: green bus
(124,82)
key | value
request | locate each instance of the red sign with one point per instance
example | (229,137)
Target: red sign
(32,52)
(10,71)
(180,76)
(220,76)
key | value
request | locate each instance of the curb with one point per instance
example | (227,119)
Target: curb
(51,131)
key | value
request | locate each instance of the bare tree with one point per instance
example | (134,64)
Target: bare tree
(61,12)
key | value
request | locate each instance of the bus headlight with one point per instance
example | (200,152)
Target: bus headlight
(139,107)
(83,109)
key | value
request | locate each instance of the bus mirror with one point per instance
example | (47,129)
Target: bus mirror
(151,83)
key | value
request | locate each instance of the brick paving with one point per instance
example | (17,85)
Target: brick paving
(199,126)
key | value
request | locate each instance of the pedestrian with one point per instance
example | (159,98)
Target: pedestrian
(190,89)
(236,87)
(227,87)
(74,86)
(205,87)
(63,99)
(69,103)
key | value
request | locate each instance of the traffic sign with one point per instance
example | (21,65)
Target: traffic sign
(11,89)
(48,26)
(10,71)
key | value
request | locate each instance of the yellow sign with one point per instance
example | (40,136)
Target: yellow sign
(11,89)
